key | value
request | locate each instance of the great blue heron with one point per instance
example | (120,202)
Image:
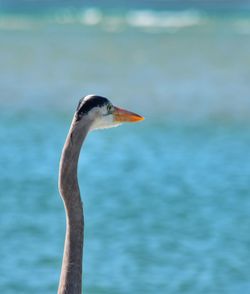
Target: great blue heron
(93,112)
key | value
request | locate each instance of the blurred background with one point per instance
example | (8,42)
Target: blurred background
(167,200)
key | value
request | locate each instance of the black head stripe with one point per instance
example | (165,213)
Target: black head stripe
(79,104)
(84,106)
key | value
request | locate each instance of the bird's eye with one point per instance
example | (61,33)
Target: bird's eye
(109,108)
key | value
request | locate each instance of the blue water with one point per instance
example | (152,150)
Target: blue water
(166,200)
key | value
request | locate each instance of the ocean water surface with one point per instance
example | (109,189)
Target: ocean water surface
(166,200)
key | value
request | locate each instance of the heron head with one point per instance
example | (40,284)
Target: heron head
(101,113)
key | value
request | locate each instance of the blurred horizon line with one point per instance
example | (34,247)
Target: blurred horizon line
(34,6)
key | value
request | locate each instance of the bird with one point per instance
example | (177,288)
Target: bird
(93,112)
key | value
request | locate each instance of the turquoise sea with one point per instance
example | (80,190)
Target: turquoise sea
(167,200)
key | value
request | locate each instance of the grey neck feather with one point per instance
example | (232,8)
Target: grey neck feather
(71,272)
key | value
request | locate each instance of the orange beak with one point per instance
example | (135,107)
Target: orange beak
(122,115)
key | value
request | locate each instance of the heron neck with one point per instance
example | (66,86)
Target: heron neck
(71,272)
